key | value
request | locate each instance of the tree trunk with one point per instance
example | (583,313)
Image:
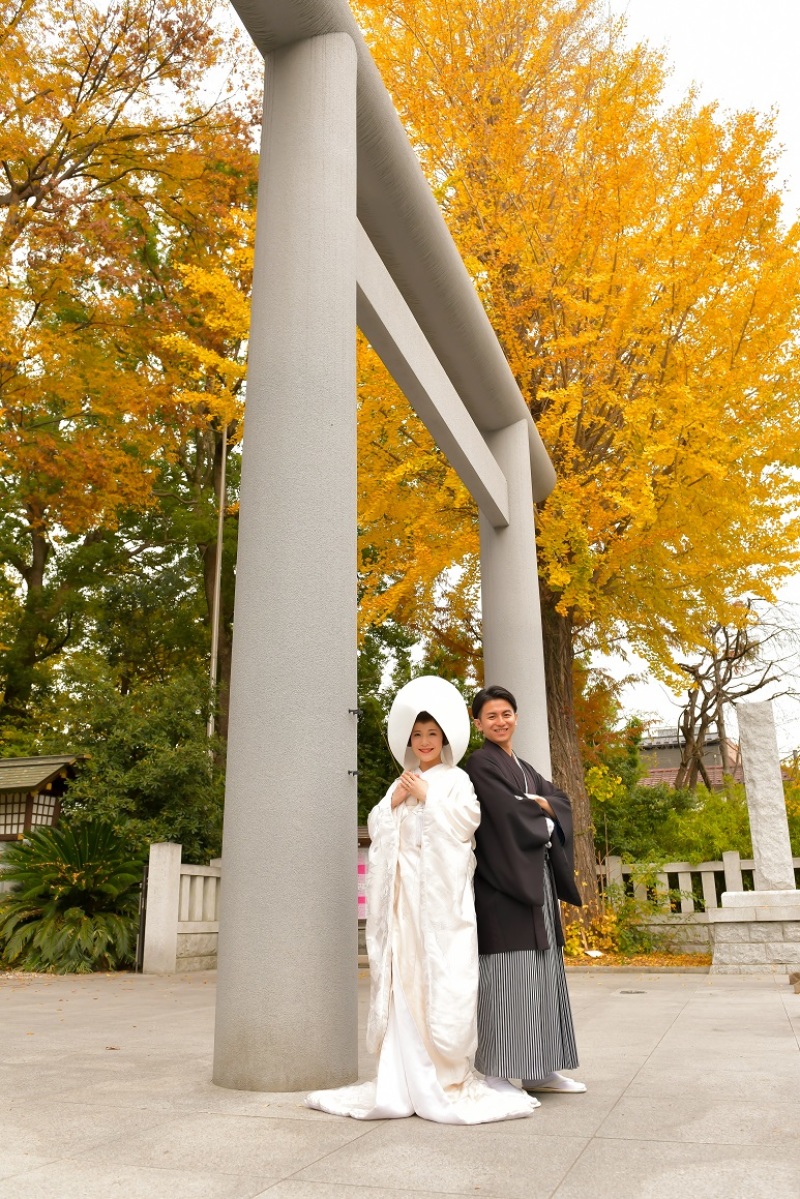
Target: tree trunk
(724,753)
(565,746)
(21,657)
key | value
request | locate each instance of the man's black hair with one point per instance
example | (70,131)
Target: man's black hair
(488,693)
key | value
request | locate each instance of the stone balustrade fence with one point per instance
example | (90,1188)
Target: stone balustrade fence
(182,911)
(698,887)
(181,921)
(688,893)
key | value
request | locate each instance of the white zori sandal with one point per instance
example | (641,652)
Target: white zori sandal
(559,1083)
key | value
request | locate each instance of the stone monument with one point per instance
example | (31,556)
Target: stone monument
(759,931)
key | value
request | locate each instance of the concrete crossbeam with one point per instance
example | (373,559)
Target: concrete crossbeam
(389,325)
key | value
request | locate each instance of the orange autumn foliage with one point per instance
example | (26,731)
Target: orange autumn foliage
(104,133)
(120,170)
(638,273)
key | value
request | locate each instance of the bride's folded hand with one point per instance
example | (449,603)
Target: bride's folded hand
(399,795)
(414,785)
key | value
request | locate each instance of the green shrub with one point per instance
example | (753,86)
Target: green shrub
(74,901)
(621,924)
(149,771)
(716,821)
(660,824)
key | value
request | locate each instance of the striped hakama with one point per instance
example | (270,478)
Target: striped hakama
(525,1027)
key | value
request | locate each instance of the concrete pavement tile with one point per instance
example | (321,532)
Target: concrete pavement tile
(416,1155)
(721,1120)
(176,1094)
(681,1062)
(231,1144)
(17,1161)
(718,1047)
(78,1180)
(705,1084)
(668,1170)
(86,1080)
(725,1056)
(559,1116)
(50,1130)
(293,1189)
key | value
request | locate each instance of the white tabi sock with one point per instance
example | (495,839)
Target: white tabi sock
(504,1087)
(559,1083)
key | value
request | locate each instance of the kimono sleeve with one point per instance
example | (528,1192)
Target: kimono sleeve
(559,802)
(453,805)
(562,852)
(512,831)
(382,824)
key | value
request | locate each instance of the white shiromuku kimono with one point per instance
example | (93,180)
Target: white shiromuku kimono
(423,955)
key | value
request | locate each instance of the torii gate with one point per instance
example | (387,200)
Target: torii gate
(348,232)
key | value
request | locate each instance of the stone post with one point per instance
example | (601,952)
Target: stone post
(286,1016)
(161,917)
(732,867)
(614,875)
(766,803)
(512,624)
(756,932)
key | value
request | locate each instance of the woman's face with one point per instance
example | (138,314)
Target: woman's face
(497,722)
(426,742)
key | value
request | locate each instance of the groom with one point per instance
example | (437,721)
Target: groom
(524,854)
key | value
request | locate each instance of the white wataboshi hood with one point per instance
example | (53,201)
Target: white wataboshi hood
(443,702)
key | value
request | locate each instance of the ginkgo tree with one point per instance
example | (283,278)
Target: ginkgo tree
(643,281)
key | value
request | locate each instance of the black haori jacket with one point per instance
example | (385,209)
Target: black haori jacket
(510,852)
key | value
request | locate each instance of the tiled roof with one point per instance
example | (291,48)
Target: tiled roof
(668,774)
(29,774)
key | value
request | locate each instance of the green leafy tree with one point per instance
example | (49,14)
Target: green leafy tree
(383,657)
(389,657)
(74,901)
(711,823)
(149,768)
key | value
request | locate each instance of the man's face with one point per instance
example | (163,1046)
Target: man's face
(497,722)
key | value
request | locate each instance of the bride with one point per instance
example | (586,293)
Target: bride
(421,935)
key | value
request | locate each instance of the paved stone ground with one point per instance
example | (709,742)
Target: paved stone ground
(694,1092)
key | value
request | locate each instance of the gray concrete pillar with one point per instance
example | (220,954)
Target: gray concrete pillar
(287,1003)
(769,826)
(512,622)
(163,901)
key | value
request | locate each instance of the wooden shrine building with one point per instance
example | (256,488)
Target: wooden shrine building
(31,790)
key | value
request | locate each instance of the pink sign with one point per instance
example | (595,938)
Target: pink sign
(362,883)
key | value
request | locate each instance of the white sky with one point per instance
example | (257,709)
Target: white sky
(743,54)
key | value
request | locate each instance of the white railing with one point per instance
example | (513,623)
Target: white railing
(198,903)
(698,886)
(182,920)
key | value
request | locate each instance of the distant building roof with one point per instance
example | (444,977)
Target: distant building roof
(29,774)
(668,774)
